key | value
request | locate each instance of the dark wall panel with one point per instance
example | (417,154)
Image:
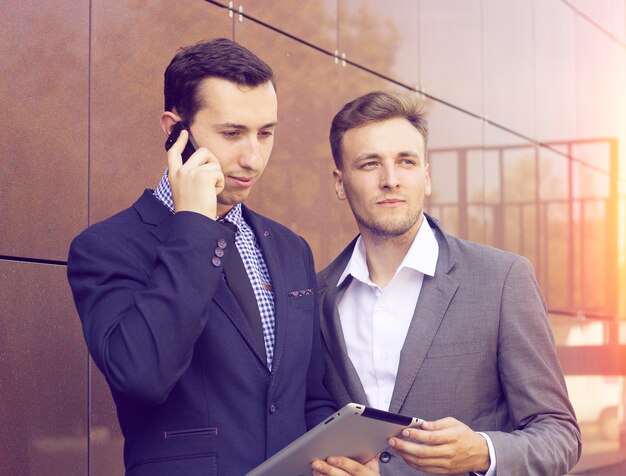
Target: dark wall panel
(132,44)
(44,135)
(43,374)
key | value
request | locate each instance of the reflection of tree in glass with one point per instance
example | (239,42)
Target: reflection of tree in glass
(297,188)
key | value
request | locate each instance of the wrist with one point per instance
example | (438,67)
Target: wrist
(483,455)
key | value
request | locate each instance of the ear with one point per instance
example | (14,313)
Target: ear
(427,186)
(338,176)
(168,120)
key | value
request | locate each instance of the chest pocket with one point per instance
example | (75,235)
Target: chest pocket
(296,300)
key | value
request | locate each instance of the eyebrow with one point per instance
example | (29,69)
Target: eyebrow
(241,127)
(376,155)
(369,155)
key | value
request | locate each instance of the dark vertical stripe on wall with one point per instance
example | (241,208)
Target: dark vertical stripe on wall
(89,72)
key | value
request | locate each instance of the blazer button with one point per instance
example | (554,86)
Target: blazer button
(385,457)
(221,243)
(272,408)
(219,252)
(216,261)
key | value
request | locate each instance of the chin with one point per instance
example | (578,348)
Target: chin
(391,228)
(231,200)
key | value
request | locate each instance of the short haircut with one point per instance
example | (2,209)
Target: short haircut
(374,107)
(218,58)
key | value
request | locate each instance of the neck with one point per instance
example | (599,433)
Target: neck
(385,253)
(222,210)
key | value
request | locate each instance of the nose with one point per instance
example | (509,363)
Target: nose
(389,177)
(251,156)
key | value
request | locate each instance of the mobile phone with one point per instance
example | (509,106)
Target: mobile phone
(191,146)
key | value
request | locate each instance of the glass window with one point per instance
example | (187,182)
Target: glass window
(509,64)
(381,36)
(450,51)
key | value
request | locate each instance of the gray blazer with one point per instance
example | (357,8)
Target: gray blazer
(479,349)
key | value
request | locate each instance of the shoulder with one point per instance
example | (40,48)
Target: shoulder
(119,224)
(476,259)
(147,212)
(123,233)
(470,250)
(123,224)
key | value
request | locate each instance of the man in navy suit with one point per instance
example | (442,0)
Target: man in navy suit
(202,314)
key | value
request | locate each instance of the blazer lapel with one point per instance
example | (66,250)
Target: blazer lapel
(330,322)
(225,299)
(153,212)
(336,343)
(271,257)
(434,300)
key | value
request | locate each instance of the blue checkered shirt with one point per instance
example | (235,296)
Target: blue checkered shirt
(252,258)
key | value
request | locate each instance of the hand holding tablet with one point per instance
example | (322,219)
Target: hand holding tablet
(356,431)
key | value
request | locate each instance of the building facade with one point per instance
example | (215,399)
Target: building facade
(526,101)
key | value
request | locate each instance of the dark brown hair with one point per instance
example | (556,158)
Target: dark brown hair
(219,58)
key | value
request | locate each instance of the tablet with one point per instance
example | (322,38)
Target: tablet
(355,431)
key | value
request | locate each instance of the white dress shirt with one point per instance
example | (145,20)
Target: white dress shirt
(376,320)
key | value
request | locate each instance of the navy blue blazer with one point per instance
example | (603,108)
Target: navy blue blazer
(194,395)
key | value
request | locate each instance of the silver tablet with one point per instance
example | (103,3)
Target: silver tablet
(355,431)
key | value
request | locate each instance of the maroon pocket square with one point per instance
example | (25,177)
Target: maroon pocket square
(301,292)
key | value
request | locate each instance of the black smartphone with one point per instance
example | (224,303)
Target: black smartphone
(191,146)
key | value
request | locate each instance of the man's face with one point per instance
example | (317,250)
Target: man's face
(384,176)
(236,123)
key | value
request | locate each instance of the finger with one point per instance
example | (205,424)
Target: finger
(423,436)
(410,449)
(202,156)
(174,154)
(322,468)
(441,424)
(373,464)
(215,170)
(440,436)
(349,466)
(426,458)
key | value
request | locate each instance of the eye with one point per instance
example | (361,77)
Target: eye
(408,162)
(266,134)
(231,134)
(369,165)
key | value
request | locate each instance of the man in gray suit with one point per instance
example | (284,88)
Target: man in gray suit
(421,323)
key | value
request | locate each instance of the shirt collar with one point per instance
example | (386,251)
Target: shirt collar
(422,256)
(164,193)
(235,216)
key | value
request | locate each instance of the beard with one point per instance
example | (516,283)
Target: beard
(389,226)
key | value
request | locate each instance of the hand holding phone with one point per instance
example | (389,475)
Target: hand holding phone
(195,185)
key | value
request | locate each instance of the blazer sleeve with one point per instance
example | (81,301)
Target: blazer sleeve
(142,315)
(546,438)
(319,402)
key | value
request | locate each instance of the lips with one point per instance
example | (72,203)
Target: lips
(390,202)
(241,181)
